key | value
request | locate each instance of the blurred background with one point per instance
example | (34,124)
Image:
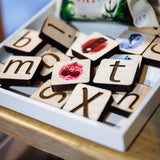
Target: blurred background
(13,14)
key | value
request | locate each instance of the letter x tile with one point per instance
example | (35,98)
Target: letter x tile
(88,101)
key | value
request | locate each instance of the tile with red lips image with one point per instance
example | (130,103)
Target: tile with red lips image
(67,74)
(94,46)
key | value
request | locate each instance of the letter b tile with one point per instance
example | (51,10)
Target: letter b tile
(26,42)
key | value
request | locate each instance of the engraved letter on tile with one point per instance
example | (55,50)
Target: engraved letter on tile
(115,67)
(154,50)
(41,95)
(86,101)
(50,54)
(133,102)
(19,66)
(26,40)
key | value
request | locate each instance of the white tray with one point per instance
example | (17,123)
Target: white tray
(17,98)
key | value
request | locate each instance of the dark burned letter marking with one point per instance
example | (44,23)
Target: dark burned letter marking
(134,101)
(51,25)
(154,50)
(116,65)
(50,54)
(41,95)
(86,101)
(27,38)
(19,66)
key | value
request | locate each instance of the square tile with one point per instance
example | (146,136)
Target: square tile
(88,101)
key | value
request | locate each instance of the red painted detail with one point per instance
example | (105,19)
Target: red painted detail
(71,71)
(94,45)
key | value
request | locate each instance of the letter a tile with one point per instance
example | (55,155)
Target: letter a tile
(116,75)
(46,95)
(20,70)
(26,42)
(88,101)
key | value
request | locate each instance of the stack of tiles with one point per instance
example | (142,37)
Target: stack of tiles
(93,76)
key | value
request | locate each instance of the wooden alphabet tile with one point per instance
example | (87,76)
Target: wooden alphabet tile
(116,75)
(129,101)
(20,70)
(152,54)
(49,58)
(67,74)
(94,46)
(88,101)
(115,120)
(46,95)
(58,33)
(26,42)
(134,42)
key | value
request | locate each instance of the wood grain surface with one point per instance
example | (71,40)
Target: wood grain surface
(70,147)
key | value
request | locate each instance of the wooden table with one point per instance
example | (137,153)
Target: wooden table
(65,145)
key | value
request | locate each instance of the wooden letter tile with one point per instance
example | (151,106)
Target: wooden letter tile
(46,95)
(129,101)
(116,74)
(20,70)
(94,47)
(26,42)
(67,74)
(134,42)
(58,33)
(49,58)
(88,101)
(152,54)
